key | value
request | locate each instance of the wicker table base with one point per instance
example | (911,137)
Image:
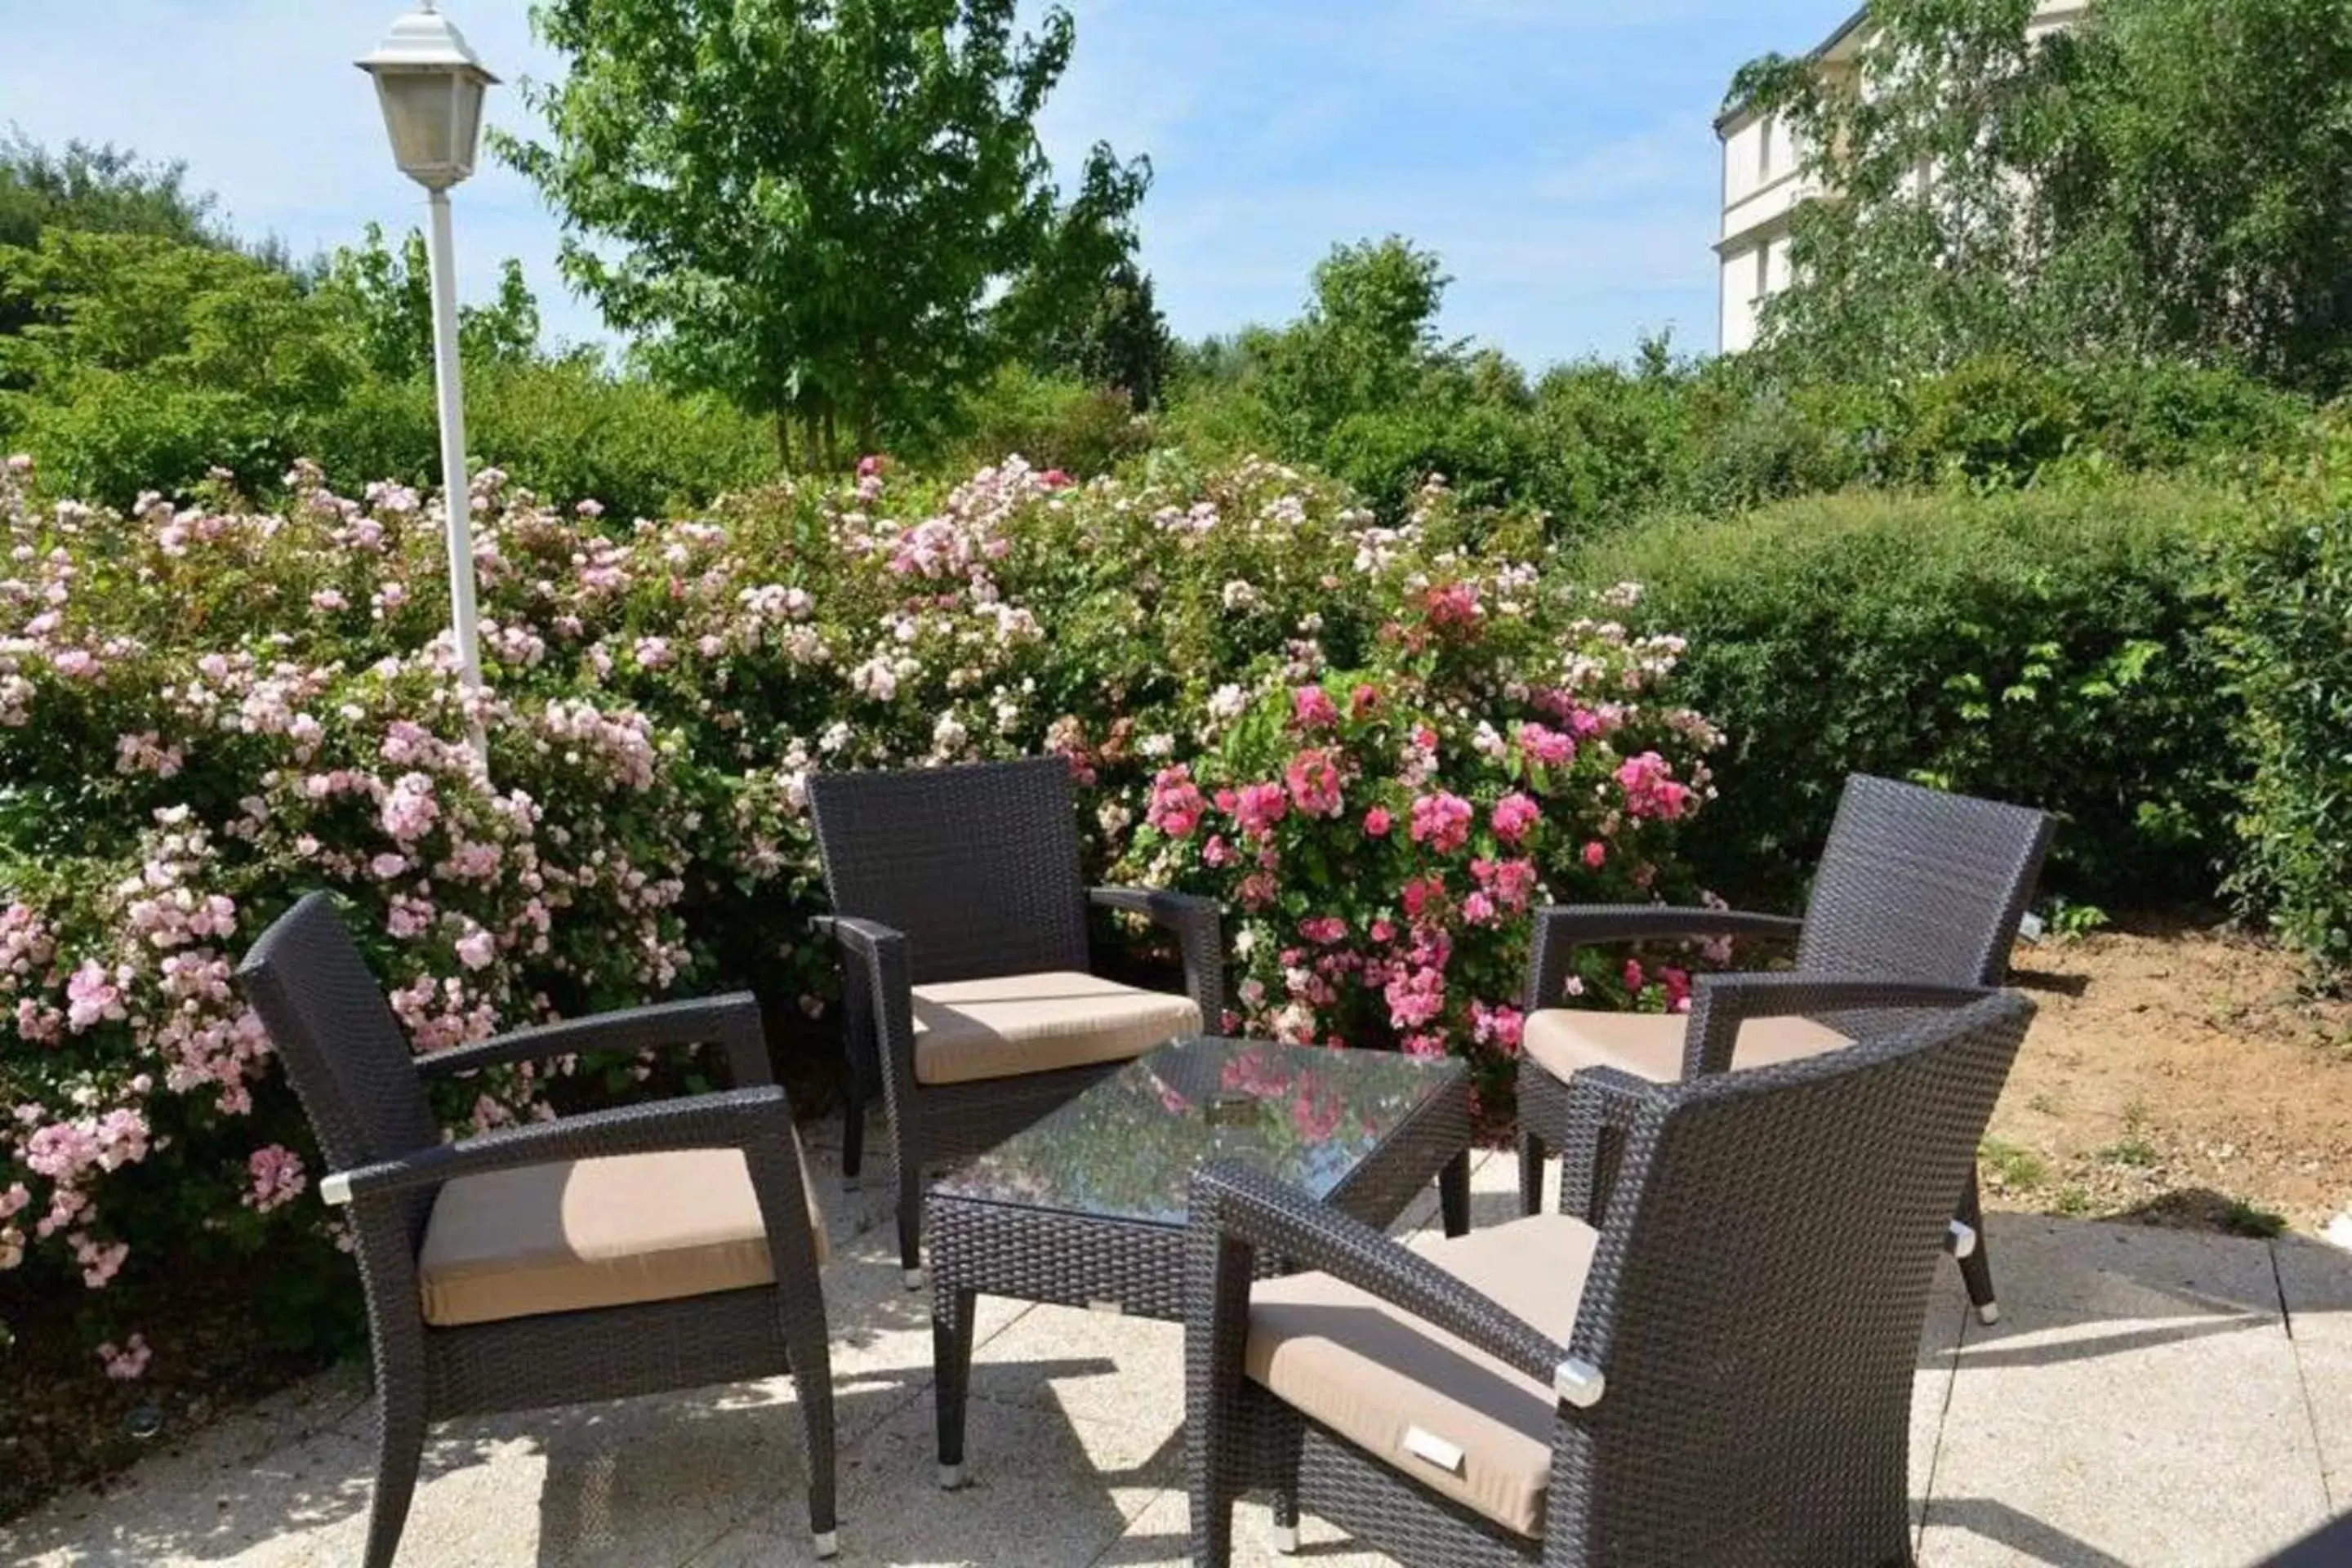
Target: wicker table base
(1085,1207)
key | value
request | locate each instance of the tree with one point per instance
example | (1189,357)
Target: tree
(1085,307)
(143,362)
(1367,341)
(803,204)
(103,189)
(388,300)
(2171,178)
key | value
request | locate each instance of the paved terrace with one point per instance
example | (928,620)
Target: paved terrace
(2149,1397)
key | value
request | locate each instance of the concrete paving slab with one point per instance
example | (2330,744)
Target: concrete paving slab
(2139,1403)
(2316,1281)
(1160,1537)
(1043,1491)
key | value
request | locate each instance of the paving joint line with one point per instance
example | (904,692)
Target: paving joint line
(2302,1379)
(1943,1417)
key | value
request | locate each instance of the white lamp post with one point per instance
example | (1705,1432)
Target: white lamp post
(431,85)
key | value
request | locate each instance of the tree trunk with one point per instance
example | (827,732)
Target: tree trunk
(785,440)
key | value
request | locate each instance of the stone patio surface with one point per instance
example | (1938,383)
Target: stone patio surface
(2149,1397)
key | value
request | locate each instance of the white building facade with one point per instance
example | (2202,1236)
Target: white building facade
(1763,182)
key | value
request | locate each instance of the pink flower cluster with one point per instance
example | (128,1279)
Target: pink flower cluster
(1651,789)
(1442,821)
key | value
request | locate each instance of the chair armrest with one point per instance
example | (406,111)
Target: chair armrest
(1198,925)
(1231,1203)
(732,1021)
(731,1119)
(1721,1003)
(1563,927)
(1601,1101)
(876,965)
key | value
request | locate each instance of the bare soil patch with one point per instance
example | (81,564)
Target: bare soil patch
(2179,1075)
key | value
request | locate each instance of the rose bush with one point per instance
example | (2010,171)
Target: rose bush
(1380,745)
(1378,831)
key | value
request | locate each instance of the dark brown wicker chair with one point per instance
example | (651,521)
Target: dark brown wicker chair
(968,984)
(1721,1373)
(481,1295)
(1915,884)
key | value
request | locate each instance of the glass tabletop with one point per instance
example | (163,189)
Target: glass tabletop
(1127,1148)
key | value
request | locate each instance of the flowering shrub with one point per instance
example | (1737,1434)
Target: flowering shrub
(1379,832)
(1379,747)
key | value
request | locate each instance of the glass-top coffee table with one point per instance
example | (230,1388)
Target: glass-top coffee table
(1086,1207)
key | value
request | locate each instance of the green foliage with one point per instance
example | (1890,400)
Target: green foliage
(804,205)
(387,299)
(565,429)
(1082,429)
(2049,646)
(102,190)
(2290,599)
(1363,387)
(143,363)
(1084,307)
(2163,181)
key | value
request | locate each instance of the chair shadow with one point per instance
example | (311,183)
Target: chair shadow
(2029,1537)
(2329,1546)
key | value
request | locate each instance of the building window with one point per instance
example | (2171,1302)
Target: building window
(1764,148)
(1763,272)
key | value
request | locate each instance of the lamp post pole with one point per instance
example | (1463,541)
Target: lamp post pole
(430,85)
(464,622)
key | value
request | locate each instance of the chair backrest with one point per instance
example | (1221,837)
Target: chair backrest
(1917,884)
(978,865)
(332,1027)
(1758,1292)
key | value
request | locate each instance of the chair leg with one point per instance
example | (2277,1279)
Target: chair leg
(1453,1195)
(1212,1519)
(1976,1269)
(910,1217)
(1531,1173)
(853,1132)
(813,1383)
(400,1448)
(1287,1435)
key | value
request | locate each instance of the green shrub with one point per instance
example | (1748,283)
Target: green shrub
(2290,642)
(1051,422)
(2049,648)
(564,429)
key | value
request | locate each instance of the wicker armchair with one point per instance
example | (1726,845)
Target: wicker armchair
(1721,1373)
(969,992)
(1915,884)
(619,1252)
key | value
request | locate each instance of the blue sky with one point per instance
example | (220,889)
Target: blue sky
(1558,153)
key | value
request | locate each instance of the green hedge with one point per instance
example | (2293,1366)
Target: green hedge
(2050,647)
(2290,648)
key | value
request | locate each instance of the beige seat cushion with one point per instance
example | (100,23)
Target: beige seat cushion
(1650,1045)
(1016,1023)
(1389,1384)
(596,1233)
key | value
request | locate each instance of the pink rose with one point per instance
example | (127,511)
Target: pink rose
(1377,822)
(1442,821)
(1595,853)
(1514,814)
(1312,709)
(1257,807)
(1314,780)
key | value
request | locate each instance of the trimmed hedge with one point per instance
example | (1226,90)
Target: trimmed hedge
(2290,649)
(2050,647)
